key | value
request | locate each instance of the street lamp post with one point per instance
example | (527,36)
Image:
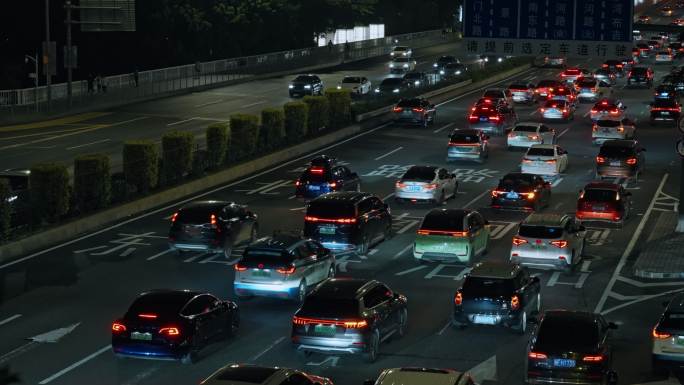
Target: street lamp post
(34,59)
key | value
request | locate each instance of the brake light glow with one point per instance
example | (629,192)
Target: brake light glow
(604,103)
(458,298)
(418,110)
(286,270)
(239,267)
(400,185)
(631,161)
(592,358)
(561,244)
(397,109)
(515,302)
(464,144)
(355,324)
(170,331)
(332,184)
(600,159)
(147,316)
(550,161)
(337,220)
(620,129)
(212,219)
(316,170)
(517,241)
(660,335)
(120,328)
(530,195)
(525,160)
(430,186)
(496,193)
(594,110)
(298,182)
(537,356)
(443,232)
(349,324)
(494,118)
(614,112)
(174,217)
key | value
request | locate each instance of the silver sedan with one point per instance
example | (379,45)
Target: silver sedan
(426,184)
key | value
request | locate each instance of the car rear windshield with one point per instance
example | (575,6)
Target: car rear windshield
(599,195)
(492,94)
(267,256)
(420,173)
(554,334)
(330,209)
(672,320)
(351,79)
(639,70)
(586,83)
(664,103)
(514,183)
(608,123)
(168,304)
(544,232)
(540,151)
(197,215)
(465,138)
(522,128)
(616,151)
(326,307)
(443,221)
(409,103)
(251,374)
(487,287)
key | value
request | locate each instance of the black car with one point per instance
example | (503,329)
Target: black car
(390,86)
(306,85)
(453,70)
(570,347)
(17,180)
(442,61)
(620,158)
(417,111)
(323,175)
(614,66)
(497,293)
(665,91)
(349,316)
(417,79)
(173,324)
(665,110)
(519,190)
(640,76)
(676,80)
(348,221)
(213,226)
(236,374)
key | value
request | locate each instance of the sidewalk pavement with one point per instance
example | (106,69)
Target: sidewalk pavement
(662,257)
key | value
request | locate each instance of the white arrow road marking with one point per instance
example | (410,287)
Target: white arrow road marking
(411,270)
(485,370)
(48,337)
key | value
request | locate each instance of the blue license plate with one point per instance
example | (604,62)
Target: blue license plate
(484,118)
(512,195)
(563,363)
(313,188)
(413,188)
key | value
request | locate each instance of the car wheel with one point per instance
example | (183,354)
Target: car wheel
(371,354)
(403,319)
(331,271)
(301,292)
(521,328)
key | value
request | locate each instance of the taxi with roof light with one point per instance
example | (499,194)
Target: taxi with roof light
(549,240)
(426,184)
(607,109)
(173,325)
(348,316)
(607,129)
(526,134)
(241,374)
(451,236)
(497,293)
(468,144)
(415,375)
(282,266)
(544,159)
(522,191)
(324,175)
(603,202)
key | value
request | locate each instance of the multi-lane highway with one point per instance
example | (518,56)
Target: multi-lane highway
(92,280)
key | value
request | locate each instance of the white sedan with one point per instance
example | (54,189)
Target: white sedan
(527,134)
(401,51)
(402,64)
(356,84)
(545,159)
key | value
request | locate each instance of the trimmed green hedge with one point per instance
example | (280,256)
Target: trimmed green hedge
(319,110)
(272,127)
(92,182)
(296,121)
(340,108)
(49,191)
(217,136)
(244,135)
(140,165)
(5,211)
(177,155)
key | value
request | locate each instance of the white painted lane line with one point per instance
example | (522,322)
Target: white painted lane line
(533,112)
(556,182)
(387,197)
(127,252)
(181,122)
(160,254)
(563,133)
(193,198)
(554,279)
(443,127)
(371,252)
(253,104)
(476,199)
(408,226)
(209,103)
(586,114)
(90,249)
(389,153)
(403,251)
(9,319)
(298,209)
(195,257)
(271,346)
(444,328)
(75,365)
(629,248)
(88,144)
(411,270)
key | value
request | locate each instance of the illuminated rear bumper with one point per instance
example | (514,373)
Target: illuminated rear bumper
(281,290)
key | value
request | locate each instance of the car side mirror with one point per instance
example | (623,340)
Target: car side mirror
(612,325)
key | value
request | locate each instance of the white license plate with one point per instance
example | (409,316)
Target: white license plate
(141,336)
(484,319)
(665,113)
(326,230)
(614,163)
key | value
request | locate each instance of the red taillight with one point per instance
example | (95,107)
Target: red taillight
(239,267)
(174,217)
(561,244)
(212,219)
(316,170)
(660,335)
(620,129)
(517,241)
(604,103)
(600,159)
(592,358)
(355,324)
(515,302)
(537,356)
(170,331)
(542,109)
(286,270)
(565,110)
(299,321)
(550,161)
(472,118)
(494,118)
(458,298)
(349,324)
(399,184)
(118,327)
(397,109)
(443,232)
(631,161)
(594,110)
(147,316)
(418,110)
(594,127)
(430,186)
(614,112)
(309,218)
(332,184)
(496,193)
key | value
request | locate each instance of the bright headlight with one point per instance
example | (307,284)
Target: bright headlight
(434,65)
(499,60)
(12,198)
(396,90)
(339,87)
(403,53)
(307,87)
(417,82)
(391,53)
(441,72)
(391,65)
(405,65)
(377,90)
(290,86)
(458,72)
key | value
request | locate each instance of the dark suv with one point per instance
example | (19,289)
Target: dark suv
(349,316)
(519,190)
(570,347)
(497,293)
(324,175)
(602,201)
(415,111)
(620,158)
(348,221)
(306,85)
(665,110)
(214,226)
(640,76)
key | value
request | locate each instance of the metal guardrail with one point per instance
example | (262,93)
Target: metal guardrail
(124,88)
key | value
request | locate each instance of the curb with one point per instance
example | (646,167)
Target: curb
(71,229)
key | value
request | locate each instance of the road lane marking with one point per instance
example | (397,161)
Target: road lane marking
(586,114)
(88,144)
(9,319)
(181,122)
(407,226)
(90,249)
(444,328)
(389,153)
(271,346)
(192,198)
(404,250)
(194,257)
(253,104)
(554,279)
(502,231)
(372,251)
(629,248)
(556,182)
(298,209)
(475,199)
(209,103)
(387,197)
(563,133)
(160,254)
(533,112)
(411,270)
(443,127)
(75,365)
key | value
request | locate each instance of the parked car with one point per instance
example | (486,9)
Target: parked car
(324,175)
(521,191)
(417,111)
(212,226)
(497,293)
(549,240)
(426,184)
(468,144)
(604,202)
(451,236)
(607,129)
(349,316)
(620,158)
(357,85)
(282,266)
(306,85)
(545,159)
(239,374)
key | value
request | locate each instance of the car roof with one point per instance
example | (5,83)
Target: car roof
(423,168)
(342,196)
(460,213)
(402,376)
(619,143)
(246,374)
(495,269)
(602,186)
(277,241)
(545,219)
(341,287)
